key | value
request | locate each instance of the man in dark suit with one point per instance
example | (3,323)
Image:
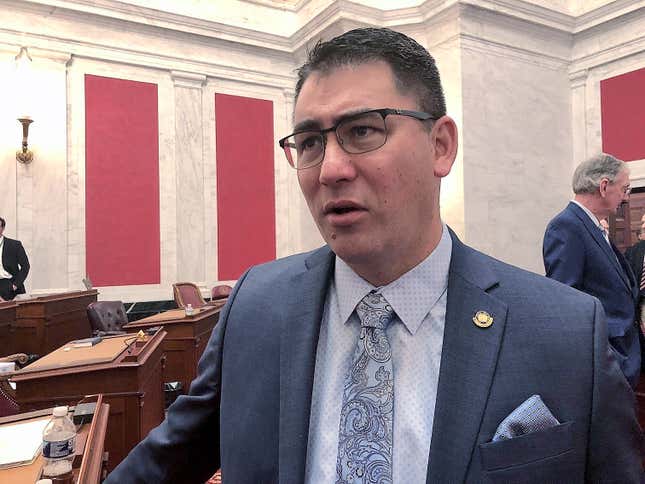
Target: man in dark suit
(14,268)
(578,253)
(636,257)
(396,353)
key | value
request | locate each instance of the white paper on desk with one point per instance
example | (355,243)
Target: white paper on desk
(20,442)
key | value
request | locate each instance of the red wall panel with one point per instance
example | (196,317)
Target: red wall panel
(121,182)
(623,115)
(245,183)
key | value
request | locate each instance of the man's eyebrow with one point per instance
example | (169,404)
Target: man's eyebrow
(312,124)
(307,124)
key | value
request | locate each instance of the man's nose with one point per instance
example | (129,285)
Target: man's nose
(337,164)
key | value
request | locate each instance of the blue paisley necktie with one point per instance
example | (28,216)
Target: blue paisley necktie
(365,436)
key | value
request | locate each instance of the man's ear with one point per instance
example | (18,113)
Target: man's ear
(602,187)
(445,141)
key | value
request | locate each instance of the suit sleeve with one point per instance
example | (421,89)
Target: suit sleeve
(185,447)
(564,258)
(615,440)
(23,262)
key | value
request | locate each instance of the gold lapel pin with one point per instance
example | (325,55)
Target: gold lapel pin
(482,319)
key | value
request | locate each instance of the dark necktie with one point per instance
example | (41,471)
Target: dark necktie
(366,419)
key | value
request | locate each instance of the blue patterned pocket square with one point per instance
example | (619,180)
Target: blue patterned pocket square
(531,416)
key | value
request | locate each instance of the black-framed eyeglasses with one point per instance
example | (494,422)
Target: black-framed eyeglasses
(357,133)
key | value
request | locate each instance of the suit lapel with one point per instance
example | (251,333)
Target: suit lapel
(600,240)
(298,342)
(622,262)
(468,361)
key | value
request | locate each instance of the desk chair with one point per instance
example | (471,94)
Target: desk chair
(219,295)
(107,317)
(220,292)
(188,293)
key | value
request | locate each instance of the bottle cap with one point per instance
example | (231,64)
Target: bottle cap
(60,411)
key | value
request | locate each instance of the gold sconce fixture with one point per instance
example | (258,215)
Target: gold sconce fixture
(25,155)
(23,62)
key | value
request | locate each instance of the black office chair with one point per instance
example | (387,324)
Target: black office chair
(107,317)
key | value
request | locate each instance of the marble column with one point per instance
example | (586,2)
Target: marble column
(189,183)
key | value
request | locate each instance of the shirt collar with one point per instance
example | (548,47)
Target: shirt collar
(412,295)
(593,218)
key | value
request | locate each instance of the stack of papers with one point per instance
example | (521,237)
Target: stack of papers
(20,442)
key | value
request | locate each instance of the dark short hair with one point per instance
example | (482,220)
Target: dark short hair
(414,68)
(2,222)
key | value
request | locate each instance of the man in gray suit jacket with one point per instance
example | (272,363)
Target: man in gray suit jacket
(395,353)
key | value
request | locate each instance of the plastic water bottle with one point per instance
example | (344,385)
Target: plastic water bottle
(189,310)
(59,439)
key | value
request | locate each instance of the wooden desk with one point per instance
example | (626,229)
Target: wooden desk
(88,464)
(7,320)
(186,340)
(44,323)
(131,383)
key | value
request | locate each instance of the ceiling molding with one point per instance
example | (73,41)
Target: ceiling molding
(611,54)
(529,12)
(113,10)
(157,61)
(605,13)
(325,17)
(506,50)
(291,39)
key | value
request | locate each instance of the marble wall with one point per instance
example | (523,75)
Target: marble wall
(521,81)
(516,135)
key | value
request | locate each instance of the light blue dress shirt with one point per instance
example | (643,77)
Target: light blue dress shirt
(416,337)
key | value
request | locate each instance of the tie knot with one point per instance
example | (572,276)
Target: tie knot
(374,311)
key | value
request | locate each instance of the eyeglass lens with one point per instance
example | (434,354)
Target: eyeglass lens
(357,134)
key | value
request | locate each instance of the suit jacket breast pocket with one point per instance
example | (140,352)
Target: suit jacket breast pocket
(538,457)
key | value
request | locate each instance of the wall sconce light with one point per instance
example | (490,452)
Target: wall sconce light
(23,68)
(25,155)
